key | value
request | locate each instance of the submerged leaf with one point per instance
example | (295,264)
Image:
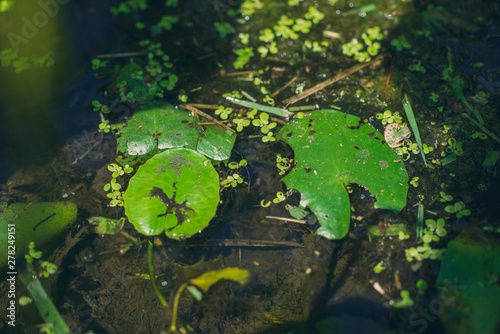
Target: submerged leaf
(333,150)
(209,278)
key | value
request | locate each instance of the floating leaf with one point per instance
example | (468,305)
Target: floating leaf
(332,150)
(176,191)
(161,125)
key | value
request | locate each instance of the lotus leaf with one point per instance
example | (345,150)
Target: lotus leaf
(176,191)
(161,124)
(332,150)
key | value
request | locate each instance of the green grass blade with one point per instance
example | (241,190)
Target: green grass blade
(420,221)
(272,110)
(413,125)
(44,304)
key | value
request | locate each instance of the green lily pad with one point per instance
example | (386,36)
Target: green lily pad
(176,191)
(332,150)
(161,125)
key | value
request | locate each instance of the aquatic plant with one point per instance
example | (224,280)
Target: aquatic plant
(326,164)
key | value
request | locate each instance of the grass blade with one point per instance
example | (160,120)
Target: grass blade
(420,221)
(272,110)
(413,125)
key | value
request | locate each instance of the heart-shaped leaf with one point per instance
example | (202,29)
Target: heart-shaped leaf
(332,150)
(161,124)
(176,191)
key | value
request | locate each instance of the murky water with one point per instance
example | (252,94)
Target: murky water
(51,151)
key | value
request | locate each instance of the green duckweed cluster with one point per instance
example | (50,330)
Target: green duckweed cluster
(368,48)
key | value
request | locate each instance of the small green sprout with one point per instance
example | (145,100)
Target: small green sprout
(416,66)
(421,286)
(434,97)
(234,94)
(379,267)
(314,15)
(302,25)
(223,112)
(445,197)
(403,236)
(244,56)
(459,209)
(232,180)
(48,269)
(414,181)
(400,44)
(427,149)
(119,170)
(453,147)
(434,230)
(166,23)
(479,135)
(24,300)
(269,137)
(388,117)
(266,35)
(280,197)
(97,105)
(104,126)
(263,123)
(283,164)
(421,253)
(244,38)
(405,301)
(32,253)
(98,64)
(224,28)
(241,123)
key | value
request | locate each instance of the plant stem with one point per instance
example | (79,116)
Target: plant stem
(152,276)
(173,327)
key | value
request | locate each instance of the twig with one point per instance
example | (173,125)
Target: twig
(201,113)
(292,220)
(389,76)
(488,132)
(285,86)
(320,86)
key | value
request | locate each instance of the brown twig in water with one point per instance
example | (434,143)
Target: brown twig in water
(389,76)
(285,86)
(328,82)
(201,113)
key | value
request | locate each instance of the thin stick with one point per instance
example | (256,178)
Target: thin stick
(488,132)
(201,113)
(320,86)
(292,220)
(389,76)
(285,86)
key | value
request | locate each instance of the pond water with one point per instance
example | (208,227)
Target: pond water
(67,85)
